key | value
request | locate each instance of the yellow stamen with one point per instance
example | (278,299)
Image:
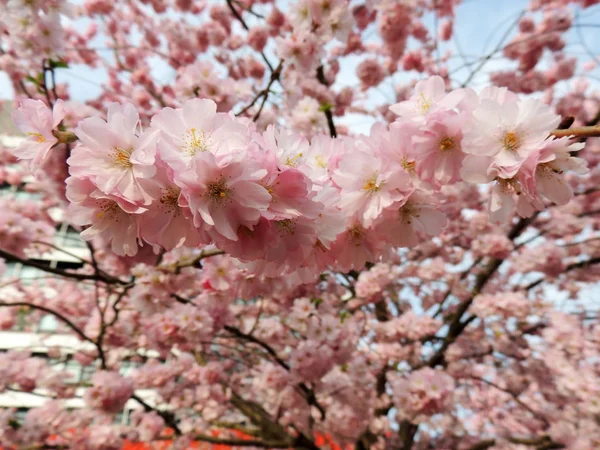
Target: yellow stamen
(195,141)
(292,161)
(218,191)
(320,162)
(407,165)
(511,141)
(286,226)
(356,235)
(424,103)
(38,137)
(447,144)
(121,157)
(371,185)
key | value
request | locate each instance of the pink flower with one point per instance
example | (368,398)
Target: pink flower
(426,95)
(302,49)
(507,304)
(502,200)
(167,223)
(292,149)
(112,219)
(257,38)
(373,281)
(544,171)
(114,157)
(437,151)
(220,272)
(150,426)
(424,393)
(416,218)
(357,245)
(224,196)
(445,30)
(508,132)
(310,362)
(370,73)
(109,392)
(492,244)
(369,184)
(197,128)
(291,196)
(37,121)
(307,117)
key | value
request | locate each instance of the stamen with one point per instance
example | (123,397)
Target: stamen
(511,141)
(121,157)
(218,191)
(195,141)
(38,137)
(447,144)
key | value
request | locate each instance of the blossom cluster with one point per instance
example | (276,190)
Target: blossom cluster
(283,204)
(424,393)
(34,26)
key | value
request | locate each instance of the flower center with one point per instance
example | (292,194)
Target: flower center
(407,165)
(447,144)
(509,185)
(292,161)
(169,198)
(195,141)
(511,141)
(545,170)
(423,103)
(371,185)
(356,235)
(122,157)
(286,226)
(408,212)
(218,191)
(321,162)
(108,209)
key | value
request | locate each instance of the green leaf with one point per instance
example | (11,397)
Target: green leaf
(316,301)
(325,107)
(59,64)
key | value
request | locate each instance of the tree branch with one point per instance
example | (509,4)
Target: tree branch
(308,393)
(327,111)
(9,257)
(581,132)
(59,316)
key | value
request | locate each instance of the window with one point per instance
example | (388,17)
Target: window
(127,367)
(48,324)
(29,274)
(122,418)
(20,414)
(86,373)
(75,370)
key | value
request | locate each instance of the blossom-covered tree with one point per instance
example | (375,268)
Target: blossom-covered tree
(278,279)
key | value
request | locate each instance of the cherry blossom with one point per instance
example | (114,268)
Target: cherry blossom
(314,224)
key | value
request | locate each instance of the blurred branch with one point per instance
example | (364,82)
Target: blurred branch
(582,132)
(109,279)
(239,17)
(308,393)
(59,316)
(328,114)
(263,93)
